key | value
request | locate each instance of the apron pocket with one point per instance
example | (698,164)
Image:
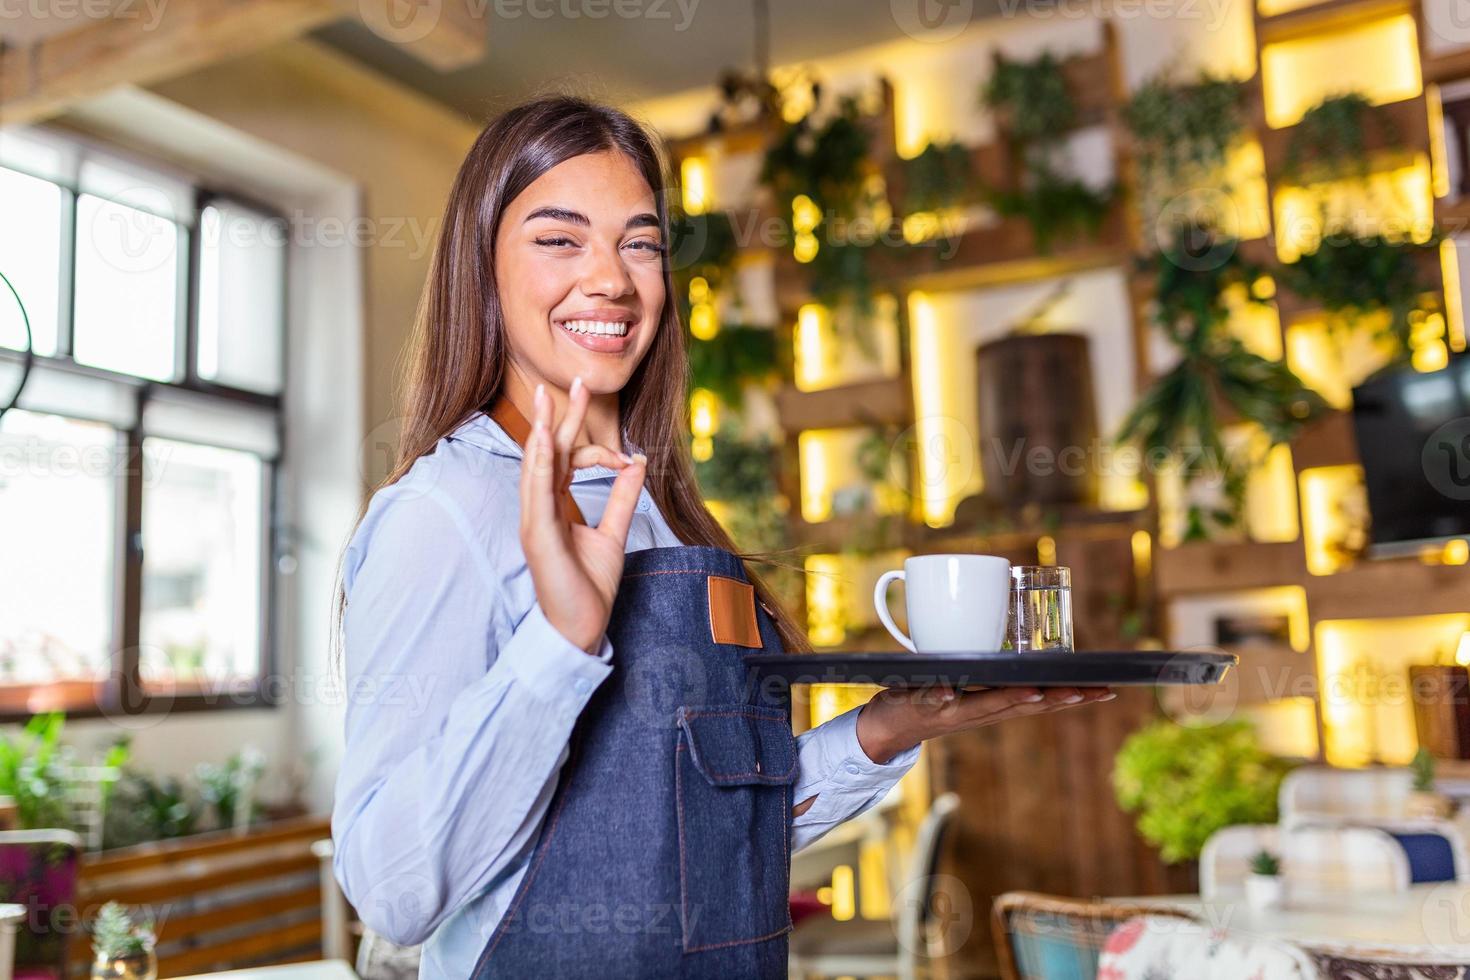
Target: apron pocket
(734,766)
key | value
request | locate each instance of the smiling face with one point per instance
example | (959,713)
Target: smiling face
(578,264)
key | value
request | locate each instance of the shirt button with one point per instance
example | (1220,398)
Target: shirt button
(642,505)
(852,768)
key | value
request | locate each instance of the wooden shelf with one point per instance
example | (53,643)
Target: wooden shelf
(1397,129)
(1446,68)
(1391,587)
(1326,17)
(1210,566)
(999,254)
(883,402)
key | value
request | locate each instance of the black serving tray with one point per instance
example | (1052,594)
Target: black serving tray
(1132,668)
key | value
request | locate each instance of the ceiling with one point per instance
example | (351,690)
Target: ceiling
(667,46)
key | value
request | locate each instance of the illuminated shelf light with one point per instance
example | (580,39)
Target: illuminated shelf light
(1298,74)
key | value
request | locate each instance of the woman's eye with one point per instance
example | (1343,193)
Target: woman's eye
(555,241)
(647,245)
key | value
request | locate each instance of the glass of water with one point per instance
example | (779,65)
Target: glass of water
(1040,608)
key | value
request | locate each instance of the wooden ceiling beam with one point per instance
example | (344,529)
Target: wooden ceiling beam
(45,76)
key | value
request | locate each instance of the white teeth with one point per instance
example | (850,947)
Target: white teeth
(603,327)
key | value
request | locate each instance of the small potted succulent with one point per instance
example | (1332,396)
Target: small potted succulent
(1265,888)
(122,947)
(1424,800)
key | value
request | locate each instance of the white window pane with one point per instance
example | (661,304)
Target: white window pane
(57,496)
(30,257)
(242,264)
(203,543)
(126,289)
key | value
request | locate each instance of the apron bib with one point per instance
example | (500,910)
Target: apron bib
(665,852)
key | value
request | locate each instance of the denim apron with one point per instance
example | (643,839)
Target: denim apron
(665,851)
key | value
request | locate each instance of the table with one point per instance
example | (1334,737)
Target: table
(315,970)
(1429,921)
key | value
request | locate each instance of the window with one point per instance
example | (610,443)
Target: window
(138,471)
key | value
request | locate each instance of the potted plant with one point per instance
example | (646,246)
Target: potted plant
(1424,800)
(1265,888)
(1186,782)
(122,948)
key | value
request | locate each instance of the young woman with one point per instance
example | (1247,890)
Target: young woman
(555,765)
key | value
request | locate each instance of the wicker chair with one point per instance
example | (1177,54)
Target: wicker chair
(1046,937)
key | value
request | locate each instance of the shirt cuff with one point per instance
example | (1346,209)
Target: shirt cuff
(832,751)
(554,668)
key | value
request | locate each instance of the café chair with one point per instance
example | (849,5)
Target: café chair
(1153,946)
(1435,849)
(1327,795)
(825,947)
(1047,937)
(1315,860)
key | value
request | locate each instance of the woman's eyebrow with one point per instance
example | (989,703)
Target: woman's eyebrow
(559,214)
(644,220)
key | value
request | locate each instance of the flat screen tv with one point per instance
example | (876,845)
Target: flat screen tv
(1413,434)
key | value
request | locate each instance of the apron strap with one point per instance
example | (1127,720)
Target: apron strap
(518,428)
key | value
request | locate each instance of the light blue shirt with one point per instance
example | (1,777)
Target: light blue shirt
(461,698)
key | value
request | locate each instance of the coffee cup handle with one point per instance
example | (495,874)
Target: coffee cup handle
(880,602)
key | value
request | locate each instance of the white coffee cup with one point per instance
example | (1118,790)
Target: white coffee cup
(956,603)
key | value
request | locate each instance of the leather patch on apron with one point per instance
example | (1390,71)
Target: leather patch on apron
(732,612)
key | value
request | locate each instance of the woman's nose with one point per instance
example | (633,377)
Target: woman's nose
(605,274)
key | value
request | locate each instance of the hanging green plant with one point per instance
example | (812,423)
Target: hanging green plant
(1332,139)
(1354,276)
(826,162)
(1030,97)
(942,176)
(1182,129)
(1176,416)
(1054,205)
(731,358)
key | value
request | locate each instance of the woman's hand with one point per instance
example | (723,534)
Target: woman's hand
(575,568)
(896,719)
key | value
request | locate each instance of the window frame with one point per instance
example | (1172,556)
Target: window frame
(122,692)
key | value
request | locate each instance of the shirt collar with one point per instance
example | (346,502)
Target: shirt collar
(484,432)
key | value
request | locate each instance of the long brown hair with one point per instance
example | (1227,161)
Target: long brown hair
(458,354)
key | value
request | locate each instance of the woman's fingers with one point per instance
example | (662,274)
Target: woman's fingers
(623,499)
(593,454)
(538,498)
(571,424)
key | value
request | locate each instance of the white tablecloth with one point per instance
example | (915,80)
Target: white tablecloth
(1430,922)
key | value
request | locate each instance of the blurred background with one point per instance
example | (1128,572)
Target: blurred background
(1168,293)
